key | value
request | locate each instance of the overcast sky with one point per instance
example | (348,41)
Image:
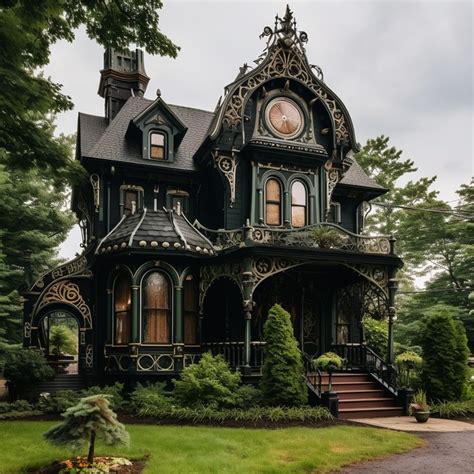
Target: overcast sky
(403,69)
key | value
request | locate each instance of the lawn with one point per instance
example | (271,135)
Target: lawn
(186,449)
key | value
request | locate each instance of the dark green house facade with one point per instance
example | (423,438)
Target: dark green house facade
(195,222)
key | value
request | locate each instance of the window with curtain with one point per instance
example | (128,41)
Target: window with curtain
(298,204)
(157,146)
(273,202)
(191,310)
(156,308)
(122,309)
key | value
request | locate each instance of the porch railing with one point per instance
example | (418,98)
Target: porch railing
(361,357)
(233,352)
(313,375)
(321,235)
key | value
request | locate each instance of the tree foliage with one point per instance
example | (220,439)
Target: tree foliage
(445,353)
(90,419)
(282,381)
(62,340)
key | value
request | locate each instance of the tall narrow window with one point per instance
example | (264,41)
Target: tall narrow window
(156,309)
(157,146)
(191,310)
(298,204)
(273,202)
(122,309)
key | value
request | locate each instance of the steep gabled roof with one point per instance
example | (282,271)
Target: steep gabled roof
(99,141)
(356,176)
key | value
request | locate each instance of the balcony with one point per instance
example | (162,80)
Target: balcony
(323,235)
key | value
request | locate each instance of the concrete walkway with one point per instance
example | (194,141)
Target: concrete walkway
(408,423)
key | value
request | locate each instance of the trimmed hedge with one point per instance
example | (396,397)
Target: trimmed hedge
(256,414)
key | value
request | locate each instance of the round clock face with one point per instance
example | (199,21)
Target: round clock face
(284,117)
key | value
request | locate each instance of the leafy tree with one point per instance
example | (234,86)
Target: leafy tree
(90,419)
(210,382)
(62,340)
(25,368)
(282,381)
(445,354)
(36,165)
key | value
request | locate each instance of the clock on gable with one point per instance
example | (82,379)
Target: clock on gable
(284,117)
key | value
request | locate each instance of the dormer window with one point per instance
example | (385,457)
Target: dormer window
(131,199)
(157,146)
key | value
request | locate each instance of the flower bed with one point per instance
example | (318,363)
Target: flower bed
(101,465)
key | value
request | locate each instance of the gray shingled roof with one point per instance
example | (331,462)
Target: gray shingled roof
(109,142)
(356,176)
(158,231)
(112,144)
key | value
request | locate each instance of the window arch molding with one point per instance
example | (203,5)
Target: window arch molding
(298,204)
(168,302)
(158,264)
(159,128)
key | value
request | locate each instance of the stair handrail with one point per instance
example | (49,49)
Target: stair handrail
(313,375)
(385,373)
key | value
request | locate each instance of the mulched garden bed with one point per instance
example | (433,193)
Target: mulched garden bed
(137,467)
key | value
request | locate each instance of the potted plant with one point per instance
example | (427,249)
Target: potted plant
(419,408)
(406,362)
(329,362)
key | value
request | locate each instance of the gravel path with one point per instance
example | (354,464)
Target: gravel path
(446,453)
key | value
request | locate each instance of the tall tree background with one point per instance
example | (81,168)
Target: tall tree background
(433,238)
(37,165)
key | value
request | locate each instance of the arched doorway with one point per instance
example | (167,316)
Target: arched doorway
(59,338)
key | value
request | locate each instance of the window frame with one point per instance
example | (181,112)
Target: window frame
(170,310)
(114,312)
(267,201)
(174,192)
(155,131)
(131,187)
(305,206)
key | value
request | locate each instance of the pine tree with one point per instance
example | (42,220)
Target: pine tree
(283,372)
(89,420)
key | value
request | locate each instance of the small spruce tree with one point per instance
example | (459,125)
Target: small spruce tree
(87,421)
(445,354)
(282,381)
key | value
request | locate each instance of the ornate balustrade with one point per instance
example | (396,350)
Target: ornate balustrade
(323,235)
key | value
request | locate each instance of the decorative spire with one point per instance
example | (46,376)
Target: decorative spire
(285,33)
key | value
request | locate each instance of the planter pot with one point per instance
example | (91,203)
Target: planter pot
(421,416)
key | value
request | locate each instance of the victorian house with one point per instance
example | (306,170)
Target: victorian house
(195,223)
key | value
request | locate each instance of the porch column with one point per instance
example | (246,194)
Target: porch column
(178,332)
(135,313)
(392,290)
(247,340)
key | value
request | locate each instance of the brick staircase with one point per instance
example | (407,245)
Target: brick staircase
(360,396)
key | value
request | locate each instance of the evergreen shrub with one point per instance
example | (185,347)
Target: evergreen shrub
(26,368)
(62,340)
(149,395)
(445,353)
(282,382)
(209,383)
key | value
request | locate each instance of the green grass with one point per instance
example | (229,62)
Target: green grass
(186,449)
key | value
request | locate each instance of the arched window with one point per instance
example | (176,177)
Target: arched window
(298,204)
(191,310)
(273,202)
(122,309)
(156,308)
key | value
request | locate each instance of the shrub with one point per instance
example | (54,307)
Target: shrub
(210,382)
(62,340)
(282,382)
(445,353)
(453,409)
(249,396)
(253,415)
(25,368)
(91,418)
(113,392)
(59,402)
(17,406)
(327,238)
(407,362)
(150,395)
(376,335)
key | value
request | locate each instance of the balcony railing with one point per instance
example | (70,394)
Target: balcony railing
(233,352)
(324,235)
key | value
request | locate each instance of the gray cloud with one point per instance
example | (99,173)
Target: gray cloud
(404,69)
